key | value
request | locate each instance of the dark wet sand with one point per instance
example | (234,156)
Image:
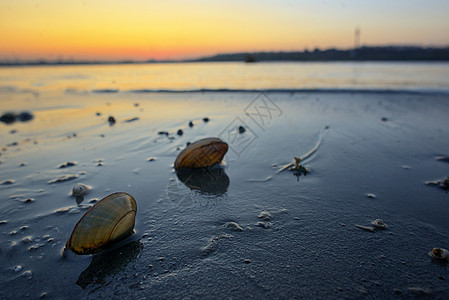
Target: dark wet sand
(384,145)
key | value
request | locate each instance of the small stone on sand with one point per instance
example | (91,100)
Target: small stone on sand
(265,215)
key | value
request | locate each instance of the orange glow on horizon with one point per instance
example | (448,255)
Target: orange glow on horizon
(173,29)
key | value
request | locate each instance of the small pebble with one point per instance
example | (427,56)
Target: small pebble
(246,261)
(27,273)
(22,164)
(17,268)
(98,114)
(384,119)
(180,132)
(67,164)
(3,222)
(151,159)
(111,120)
(190,124)
(24,227)
(264,215)
(43,295)
(264,225)
(163,133)
(13,232)
(371,196)
(12,131)
(241,129)
(7,181)
(205,120)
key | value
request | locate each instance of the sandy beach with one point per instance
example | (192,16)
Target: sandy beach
(376,151)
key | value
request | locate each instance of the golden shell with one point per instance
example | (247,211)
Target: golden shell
(109,221)
(201,154)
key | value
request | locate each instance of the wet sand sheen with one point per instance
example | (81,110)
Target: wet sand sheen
(195,233)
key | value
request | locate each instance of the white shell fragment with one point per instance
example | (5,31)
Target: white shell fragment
(80,189)
(379,224)
(440,254)
(366,228)
(233,226)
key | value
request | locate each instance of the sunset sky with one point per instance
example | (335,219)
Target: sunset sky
(177,29)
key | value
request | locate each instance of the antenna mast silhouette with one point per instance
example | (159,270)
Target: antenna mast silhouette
(357,38)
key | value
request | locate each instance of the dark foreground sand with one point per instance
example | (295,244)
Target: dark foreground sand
(384,144)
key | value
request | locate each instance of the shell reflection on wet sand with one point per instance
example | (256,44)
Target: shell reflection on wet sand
(201,154)
(109,221)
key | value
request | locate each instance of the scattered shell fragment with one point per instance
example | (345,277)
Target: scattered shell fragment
(264,215)
(264,225)
(109,221)
(366,228)
(379,224)
(440,254)
(63,178)
(80,189)
(200,154)
(233,226)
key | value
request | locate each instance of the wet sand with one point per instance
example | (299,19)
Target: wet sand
(376,154)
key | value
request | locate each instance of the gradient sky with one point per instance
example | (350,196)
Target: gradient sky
(176,29)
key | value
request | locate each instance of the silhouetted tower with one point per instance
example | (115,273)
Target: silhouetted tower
(357,38)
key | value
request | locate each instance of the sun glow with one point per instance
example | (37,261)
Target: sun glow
(173,29)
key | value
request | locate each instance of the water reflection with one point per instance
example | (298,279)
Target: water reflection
(205,180)
(109,263)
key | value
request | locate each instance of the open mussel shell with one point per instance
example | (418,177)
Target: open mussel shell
(201,154)
(109,221)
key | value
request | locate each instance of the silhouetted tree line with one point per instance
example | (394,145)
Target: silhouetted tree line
(389,53)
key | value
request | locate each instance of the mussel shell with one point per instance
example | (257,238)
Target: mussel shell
(201,154)
(110,220)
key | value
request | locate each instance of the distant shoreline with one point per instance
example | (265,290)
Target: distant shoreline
(372,54)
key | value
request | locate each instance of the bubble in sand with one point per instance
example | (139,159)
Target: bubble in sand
(7,181)
(378,223)
(233,226)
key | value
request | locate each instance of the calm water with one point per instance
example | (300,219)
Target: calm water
(397,76)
